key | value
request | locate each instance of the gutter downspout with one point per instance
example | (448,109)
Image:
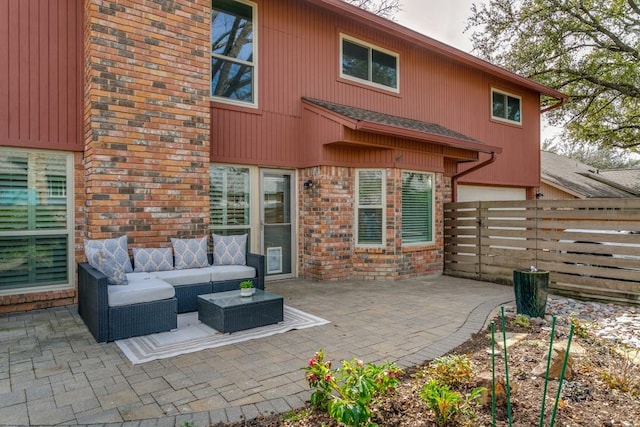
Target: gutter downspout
(454,178)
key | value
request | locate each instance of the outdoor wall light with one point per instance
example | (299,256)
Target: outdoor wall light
(308,184)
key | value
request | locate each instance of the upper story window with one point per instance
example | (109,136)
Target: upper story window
(233,56)
(368,64)
(506,107)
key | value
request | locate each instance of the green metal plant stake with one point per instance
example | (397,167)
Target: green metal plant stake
(564,365)
(506,368)
(493,374)
(546,376)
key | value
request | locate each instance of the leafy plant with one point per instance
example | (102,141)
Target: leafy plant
(522,321)
(580,328)
(448,404)
(454,370)
(246,284)
(620,373)
(299,415)
(346,392)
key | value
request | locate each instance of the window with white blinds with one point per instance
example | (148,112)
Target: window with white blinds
(370,201)
(35,218)
(229,200)
(417,207)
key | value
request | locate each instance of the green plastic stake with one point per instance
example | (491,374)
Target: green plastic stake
(564,365)
(493,374)
(546,376)
(506,367)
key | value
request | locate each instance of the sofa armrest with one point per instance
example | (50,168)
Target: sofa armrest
(93,301)
(257,261)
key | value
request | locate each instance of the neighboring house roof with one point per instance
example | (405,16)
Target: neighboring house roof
(628,178)
(582,180)
(372,121)
(420,40)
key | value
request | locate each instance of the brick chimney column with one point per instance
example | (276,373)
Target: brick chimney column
(147,118)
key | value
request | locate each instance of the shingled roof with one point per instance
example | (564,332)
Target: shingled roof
(386,119)
(424,130)
(582,179)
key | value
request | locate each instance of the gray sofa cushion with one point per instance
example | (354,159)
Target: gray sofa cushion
(139,290)
(189,276)
(221,273)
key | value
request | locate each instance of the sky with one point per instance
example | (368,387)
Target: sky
(443,20)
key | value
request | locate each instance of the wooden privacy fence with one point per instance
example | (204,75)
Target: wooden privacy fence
(591,248)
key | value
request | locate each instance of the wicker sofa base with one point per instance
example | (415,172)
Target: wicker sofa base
(142,319)
(113,323)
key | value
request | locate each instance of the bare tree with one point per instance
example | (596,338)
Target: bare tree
(385,8)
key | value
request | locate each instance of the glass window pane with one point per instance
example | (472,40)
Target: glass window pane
(33,191)
(277,199)
(229,198)
(33,261)
(355,60)
(369,226)
(231,80)
(370,188)
(499,108)
(513,109)
(232,29)
(417,207)
(384,69)
(232,50)
(370,207)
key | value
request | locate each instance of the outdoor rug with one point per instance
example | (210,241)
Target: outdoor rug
(192,335)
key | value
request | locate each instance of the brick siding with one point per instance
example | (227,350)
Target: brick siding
(147,119)
(326,242)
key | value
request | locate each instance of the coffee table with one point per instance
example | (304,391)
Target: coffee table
(229,312)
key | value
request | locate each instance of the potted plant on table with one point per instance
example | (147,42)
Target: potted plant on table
(246,288)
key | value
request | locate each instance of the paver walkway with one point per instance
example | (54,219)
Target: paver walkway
(53,372)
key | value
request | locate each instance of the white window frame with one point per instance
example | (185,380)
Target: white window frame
(433,207)
(507,95)
(69,229)
(254,64)
(370,47)
(381,206)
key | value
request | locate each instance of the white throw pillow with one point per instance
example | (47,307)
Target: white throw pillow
(230,250)
(190,253)
(117,247)
(106,263)
(152,259)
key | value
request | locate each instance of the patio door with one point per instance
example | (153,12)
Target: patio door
(278,222)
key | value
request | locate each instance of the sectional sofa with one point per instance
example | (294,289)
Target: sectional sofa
(118,299)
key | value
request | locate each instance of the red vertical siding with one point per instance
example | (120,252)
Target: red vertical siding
(298,55)
(41,74)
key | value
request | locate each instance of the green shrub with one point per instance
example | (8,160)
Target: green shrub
(347,391)
(448,404)
(453,370)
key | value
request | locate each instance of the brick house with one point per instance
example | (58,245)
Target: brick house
(331,136)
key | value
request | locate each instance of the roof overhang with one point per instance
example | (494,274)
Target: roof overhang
(384,124)
(420,40)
